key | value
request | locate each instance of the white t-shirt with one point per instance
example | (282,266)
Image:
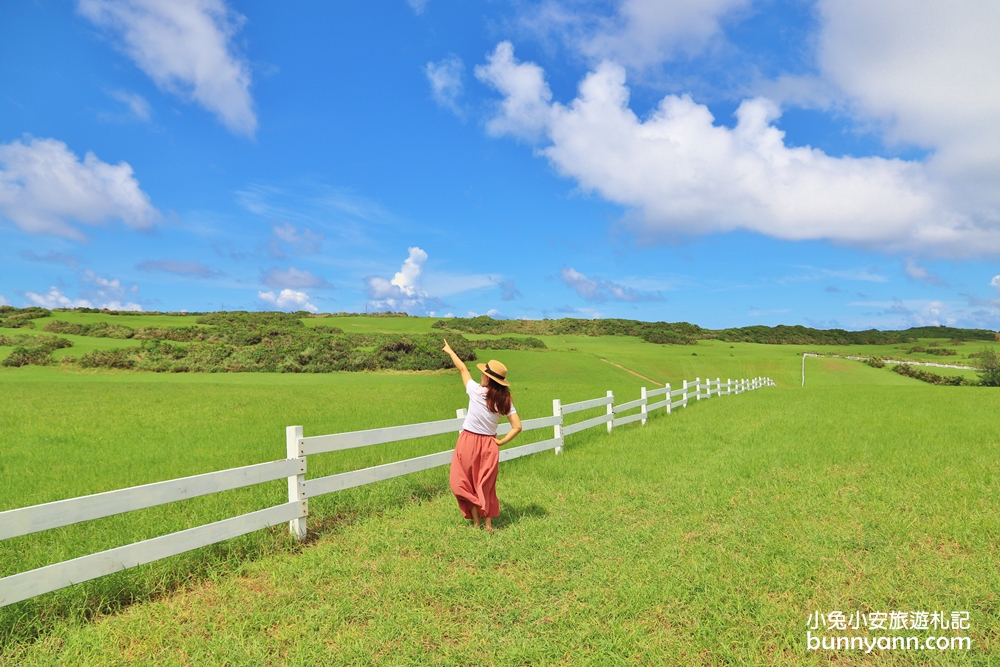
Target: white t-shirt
(480,420)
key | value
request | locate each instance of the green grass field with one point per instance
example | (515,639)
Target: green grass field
(705,537)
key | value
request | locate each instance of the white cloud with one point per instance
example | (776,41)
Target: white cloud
(288,299)
(682,174)
(639,33)
(112,284)
(185,46)
(54,298)
(995,282)
(923,73)
(293,278)
(508,291)
(524,111)
(869,274)
(929,69)
(403,292)
(917,272)
(4,301)
(599,291)
(445,78)
(406,278)
(418,6)
(44,187)
(903,313)
(494,313)
(301,241)
(177,267)
(51,257)
(136,103)
(414,291)
(445,284)
(107,292)
(403,285)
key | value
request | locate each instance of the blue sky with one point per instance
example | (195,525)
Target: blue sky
(723,162)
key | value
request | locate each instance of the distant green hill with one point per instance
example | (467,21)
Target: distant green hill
(241,341)
(689,334)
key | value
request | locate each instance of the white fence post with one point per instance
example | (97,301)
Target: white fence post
(611,409)
(460,413)
(697,388)
(718,386)
(296,483)
(685,394)
(642,408)
(557,412)
(669,398)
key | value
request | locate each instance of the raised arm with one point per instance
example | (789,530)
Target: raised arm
(515,428)
(459,364)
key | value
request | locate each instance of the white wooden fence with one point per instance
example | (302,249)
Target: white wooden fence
(27,520)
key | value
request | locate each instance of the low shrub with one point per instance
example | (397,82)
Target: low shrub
(918,373)
(123,359)
(59,326)
(22,356)
(34,350)
(20,318)
(988,365)
(529,343)
(277,352)
(97,330)
(933,348)
(678,332)
(176,334)
(875,362)
(243,318)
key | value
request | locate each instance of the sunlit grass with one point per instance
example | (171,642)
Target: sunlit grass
(706,537)
(703,538)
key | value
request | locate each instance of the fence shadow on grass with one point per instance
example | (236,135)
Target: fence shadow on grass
(348,513)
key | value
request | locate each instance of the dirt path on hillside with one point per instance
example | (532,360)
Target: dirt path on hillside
(629,370)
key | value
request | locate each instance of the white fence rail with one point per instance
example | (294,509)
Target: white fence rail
(27,520)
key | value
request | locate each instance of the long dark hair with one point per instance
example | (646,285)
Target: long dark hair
(497,398)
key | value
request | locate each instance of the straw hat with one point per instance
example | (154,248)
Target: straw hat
(496,371)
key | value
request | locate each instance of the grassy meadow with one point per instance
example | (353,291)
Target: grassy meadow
(706,537)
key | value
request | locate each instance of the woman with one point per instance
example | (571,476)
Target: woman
(476,460)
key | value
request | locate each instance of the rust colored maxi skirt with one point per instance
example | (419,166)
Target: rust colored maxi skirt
(473,477)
